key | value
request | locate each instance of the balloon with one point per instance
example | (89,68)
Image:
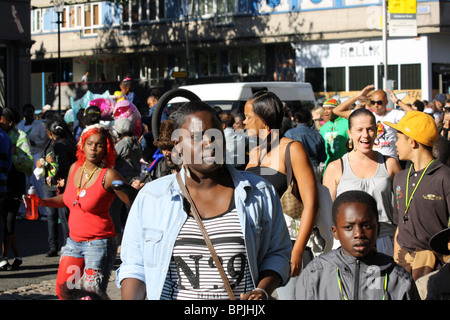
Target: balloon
(118,96)
(106,107)
(125,109)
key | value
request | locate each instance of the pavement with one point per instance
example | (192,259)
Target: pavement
(36,277)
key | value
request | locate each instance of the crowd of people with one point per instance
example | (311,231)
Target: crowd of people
(373,184)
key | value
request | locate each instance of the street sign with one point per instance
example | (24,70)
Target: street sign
(179,74)
(402,18)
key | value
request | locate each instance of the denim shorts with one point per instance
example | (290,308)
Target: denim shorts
(98,255)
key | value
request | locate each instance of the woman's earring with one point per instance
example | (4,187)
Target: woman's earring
(350,144)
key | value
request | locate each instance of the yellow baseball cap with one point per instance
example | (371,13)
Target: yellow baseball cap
(418,126)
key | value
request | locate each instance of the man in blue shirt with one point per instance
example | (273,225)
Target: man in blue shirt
(310,138)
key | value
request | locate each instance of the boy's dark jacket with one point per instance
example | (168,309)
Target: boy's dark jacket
(361,279)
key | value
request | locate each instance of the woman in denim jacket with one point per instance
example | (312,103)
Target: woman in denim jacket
(163,253)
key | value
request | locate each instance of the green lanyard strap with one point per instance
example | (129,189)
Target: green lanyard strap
(408,201)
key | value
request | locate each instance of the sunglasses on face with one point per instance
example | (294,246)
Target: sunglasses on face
(379,102)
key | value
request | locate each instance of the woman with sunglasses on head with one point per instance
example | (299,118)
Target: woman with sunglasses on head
(263,121)
(89,253)
(386,136)
(367,170)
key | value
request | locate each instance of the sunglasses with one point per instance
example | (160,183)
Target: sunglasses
(379,102)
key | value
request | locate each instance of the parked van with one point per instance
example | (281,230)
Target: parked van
(231,97)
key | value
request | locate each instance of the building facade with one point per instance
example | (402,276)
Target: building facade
(15,57)
(334,44)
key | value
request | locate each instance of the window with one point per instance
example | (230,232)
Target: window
(36,20)
(410,76)
(392,75)
(335,79)
(209,65)
(247,61)
(316,78)
(91,18)
(360,77)
(225,11)
(140,11)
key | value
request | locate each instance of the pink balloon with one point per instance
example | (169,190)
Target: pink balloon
(125,109)
(106,107)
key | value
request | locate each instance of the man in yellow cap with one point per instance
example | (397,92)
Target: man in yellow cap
(422,194)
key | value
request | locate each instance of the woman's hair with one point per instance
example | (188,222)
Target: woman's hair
(110,157)
(179,116)
(59,128)
(353,196)
(358,113)
(92,115)
(269,108)
(10,115)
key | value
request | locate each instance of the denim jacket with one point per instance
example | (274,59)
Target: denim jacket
(157,215)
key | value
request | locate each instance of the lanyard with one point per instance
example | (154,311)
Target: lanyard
(345,298)
(79,183)
(408,201)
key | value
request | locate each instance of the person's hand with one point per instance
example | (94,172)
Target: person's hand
(392,96)
(296,265)
(256,294)
(137,184)
(60,183)
(364,94)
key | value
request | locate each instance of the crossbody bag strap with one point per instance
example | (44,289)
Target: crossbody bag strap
(289,173)
(198,219)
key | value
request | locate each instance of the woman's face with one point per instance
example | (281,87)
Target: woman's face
(201,143)
(253,123)
(363,132)
(95,148)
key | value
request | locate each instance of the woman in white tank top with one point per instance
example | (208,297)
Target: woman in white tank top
(367,170)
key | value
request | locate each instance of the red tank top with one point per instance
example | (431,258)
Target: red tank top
(89,217)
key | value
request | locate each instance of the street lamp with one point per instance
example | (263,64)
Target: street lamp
(187,6)
(58,5)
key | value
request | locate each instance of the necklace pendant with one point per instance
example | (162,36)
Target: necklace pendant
(82,193)
(75,203)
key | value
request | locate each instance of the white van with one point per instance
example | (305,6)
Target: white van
(231,97)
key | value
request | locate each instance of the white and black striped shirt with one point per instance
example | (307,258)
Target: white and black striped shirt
(192,273)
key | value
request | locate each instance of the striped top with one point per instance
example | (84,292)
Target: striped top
(192,273)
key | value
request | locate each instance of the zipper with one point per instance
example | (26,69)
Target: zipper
(356,283)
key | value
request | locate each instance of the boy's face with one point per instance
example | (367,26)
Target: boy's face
(356,228)
(403,146)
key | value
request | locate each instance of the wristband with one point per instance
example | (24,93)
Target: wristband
(265,292)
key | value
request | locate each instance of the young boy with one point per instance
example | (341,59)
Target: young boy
(355,271)
(422,195)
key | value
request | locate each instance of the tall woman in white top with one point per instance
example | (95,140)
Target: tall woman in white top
(364,169)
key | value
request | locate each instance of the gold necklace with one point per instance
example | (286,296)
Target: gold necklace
(80,190)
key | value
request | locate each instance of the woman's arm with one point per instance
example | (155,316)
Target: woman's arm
(132,289)
(126,194)
(55,202)
(269,281)
(304,174)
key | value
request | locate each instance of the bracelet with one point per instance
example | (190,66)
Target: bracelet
(265,292)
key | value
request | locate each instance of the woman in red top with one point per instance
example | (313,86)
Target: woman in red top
(88,256)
